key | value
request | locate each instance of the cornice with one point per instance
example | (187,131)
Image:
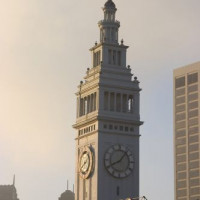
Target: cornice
(92,119)
(86,134)
(119,133)
(108,44)
(114,119)
(84,90)
(119,87)
(86,121)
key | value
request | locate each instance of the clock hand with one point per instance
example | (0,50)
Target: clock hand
(118,160)
(83,164)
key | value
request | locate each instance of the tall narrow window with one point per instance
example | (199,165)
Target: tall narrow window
(101,35)
(88,104)
(106,16)
(106,100)
(109,56)
(104,35)
(99,57)
(81,107)
(92,103)
(112,17)
(85,105)
(95,98)
(112,34)
(112,100)
(114,57)
(118,102)
(108,34)
(119,58)
(130,103)
(124,103)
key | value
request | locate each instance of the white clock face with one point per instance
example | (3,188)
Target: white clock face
(119,161)
(86,162)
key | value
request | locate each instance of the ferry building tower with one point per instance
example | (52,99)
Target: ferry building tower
(108,120)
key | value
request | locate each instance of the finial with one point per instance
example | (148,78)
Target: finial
(14,180)
(81,82)
(136,80)
(96,43)
(88,69)
(110,4)
(128,66)
(122,42)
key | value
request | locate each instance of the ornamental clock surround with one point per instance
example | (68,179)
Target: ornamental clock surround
(86,162)
(108,120)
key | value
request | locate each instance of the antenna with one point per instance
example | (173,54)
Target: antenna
(67,184)
(73,188)
(14,180)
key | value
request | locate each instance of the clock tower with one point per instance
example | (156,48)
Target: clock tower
(108,120)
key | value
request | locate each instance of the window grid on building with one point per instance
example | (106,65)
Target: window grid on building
(187,137)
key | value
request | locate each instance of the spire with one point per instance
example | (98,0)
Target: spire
(14,180)
(109,26)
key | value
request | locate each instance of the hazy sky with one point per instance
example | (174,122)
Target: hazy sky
(44,55)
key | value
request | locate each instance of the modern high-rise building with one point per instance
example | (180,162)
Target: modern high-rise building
(186,132)
(108,120)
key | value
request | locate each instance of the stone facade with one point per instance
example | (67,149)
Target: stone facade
(108,120)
